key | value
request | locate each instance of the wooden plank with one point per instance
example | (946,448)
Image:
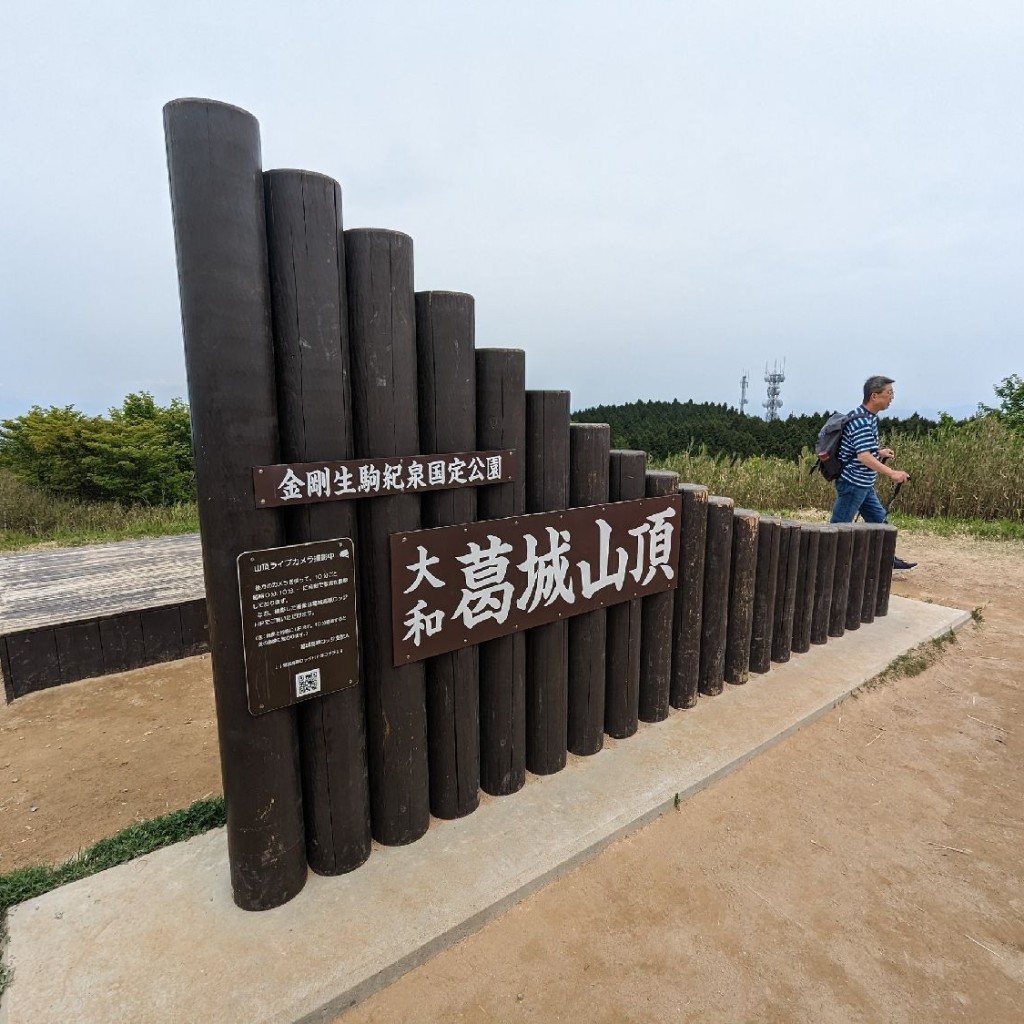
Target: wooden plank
(656,621)
(786,590)
(885,571)
(306,258)
(858,574)
(32,658)
(445,350)
(872,572)
(501,424)
(121,639)
(769,532)
(5,671)
(714,624)
(743,574)
(807,574)
(195,630)
(217,204)
(161,634)
(385,421)
(627,478)
(546,464)
(54,588)
(79,651)
(688,613)
(823,583)
(589,447)
(841,579)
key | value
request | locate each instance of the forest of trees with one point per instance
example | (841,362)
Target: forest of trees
(666,428)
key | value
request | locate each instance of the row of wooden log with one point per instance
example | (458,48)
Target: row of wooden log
(307,342)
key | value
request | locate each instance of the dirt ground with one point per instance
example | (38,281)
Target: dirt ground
(868,868)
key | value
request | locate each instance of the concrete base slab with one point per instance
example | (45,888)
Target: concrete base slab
(159,939)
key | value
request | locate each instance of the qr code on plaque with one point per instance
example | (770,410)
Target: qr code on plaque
(307,682)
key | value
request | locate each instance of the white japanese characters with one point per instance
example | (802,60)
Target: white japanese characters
(301,484)
(556,573)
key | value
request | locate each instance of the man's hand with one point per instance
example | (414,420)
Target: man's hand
(885,454)
(900,476)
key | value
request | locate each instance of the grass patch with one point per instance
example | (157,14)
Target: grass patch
(29,517)
(914,661)
(135,841)
(945,526)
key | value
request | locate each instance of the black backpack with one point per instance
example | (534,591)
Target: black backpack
(826,448)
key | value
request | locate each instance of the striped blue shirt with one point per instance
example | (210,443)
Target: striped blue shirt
(859,435)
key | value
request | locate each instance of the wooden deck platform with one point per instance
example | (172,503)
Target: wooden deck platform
(70,613)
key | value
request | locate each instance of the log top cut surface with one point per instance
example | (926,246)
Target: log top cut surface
(51,587)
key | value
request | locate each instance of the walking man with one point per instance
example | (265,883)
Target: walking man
(862,460)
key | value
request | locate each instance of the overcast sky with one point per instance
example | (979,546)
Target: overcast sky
(648,197)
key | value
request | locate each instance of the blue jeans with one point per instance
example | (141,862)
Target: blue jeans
(851,499)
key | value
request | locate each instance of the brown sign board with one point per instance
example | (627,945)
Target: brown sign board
(305,483)
(461,585)
(298,622)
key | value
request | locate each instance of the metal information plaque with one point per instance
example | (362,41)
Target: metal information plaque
(460,585)
(298,622)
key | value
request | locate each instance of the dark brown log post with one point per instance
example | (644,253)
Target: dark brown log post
(627,482)
(741,595)
(501,425)
(382,321)
(314,399)
(785,590)
(858,573)
(876,535)
(885,570)
(810,536)
(216,183)
(823,583)
(689,604)
(547,647)
(769,531)
(656,626)
(841,579)
(716,596)
(589,446)
(445,339)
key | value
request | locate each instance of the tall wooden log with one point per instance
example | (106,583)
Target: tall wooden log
(306,254)
(741,595)
(785,590)
(872,572)
(216,183)
(885,570)
(823,583)
(627,482)
(656,626)
(689,604)
(379,275)
(501,425)
(858,573)
(810,536)
(547,647)
(445,339)
(589,446)
(716,596)
(841,579)
(769,532)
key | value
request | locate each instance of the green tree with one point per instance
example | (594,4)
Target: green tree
(140,454)
(1011,405)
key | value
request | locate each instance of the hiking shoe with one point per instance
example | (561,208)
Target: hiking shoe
(898,564)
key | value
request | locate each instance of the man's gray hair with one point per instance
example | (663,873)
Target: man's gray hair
(874,385)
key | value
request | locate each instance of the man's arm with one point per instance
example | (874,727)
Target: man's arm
(867,459)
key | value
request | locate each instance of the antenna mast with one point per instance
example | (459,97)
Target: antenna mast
(774,381)
(744,380)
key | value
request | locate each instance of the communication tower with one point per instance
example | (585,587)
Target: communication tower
(744,380)
(774,379)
